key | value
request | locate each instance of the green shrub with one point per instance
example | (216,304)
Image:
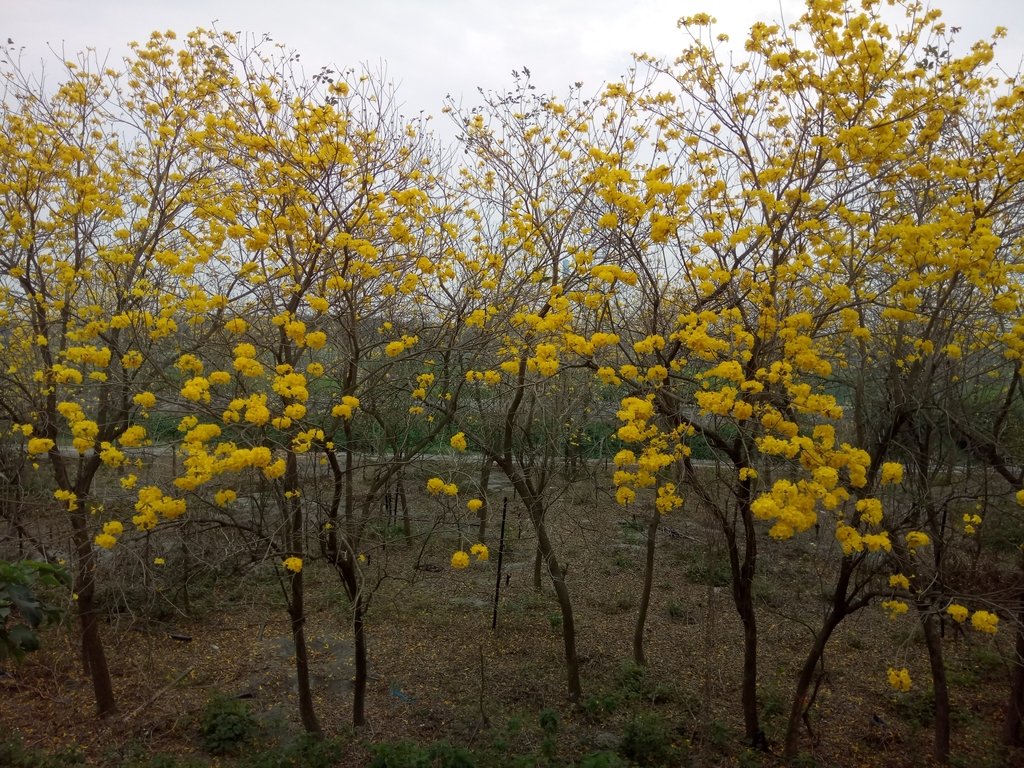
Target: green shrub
(647,741)
(22,610)
(602,760)
(407,754)
(226,725)
(13,754)
(174,761)
(305,751)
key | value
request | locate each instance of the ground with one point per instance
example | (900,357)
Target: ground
(439,672)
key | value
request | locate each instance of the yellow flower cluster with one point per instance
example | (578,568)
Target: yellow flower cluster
(490,378)
(892,473)
(293,564)
(460,560)
(69,498)
(133,436)
(346,408)
(153,504)
(436,486)
(971,522)
(544,361)
(196,389)
(984,621)
(895,608)
(108,538)
(39,445)
(395,348)
(83,430)
(458,441)
(957,612)
(899,581)
(899,679)
(917,539)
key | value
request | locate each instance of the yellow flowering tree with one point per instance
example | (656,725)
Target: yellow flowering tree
(99,240)
(532,311)
(342,308)
(762,232)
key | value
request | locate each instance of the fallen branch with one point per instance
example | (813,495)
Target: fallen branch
(157,695)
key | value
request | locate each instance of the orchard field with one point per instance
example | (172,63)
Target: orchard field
(706,388)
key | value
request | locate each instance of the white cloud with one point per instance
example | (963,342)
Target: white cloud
(434,47)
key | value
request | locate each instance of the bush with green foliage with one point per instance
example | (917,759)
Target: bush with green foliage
(647,740)
(22,610)
(407,754)
(226,725)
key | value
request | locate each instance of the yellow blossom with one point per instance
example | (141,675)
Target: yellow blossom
(899,679)
(892,473)
(899,581)
(983,621)
(957,612)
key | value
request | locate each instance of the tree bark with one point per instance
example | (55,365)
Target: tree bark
(485,478)
(1013,723)
(296,607)
(743,598)
(645,593)
(538,562)
(804,680)
(361,671)
(94,659)
(940,686)
(572,665)
(297,614)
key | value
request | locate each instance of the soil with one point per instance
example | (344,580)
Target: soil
(438,670)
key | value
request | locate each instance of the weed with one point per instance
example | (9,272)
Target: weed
(14,755)
(305,751)
(916,707)
(549,727)
(648,741)
(407,754)
(709,572)
(226,725)
(717,735)
(602,760)
(597,707)
(635,683)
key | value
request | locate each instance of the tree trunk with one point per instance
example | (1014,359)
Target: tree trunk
(804,680)
(940,687)
(403,502)
(485,478)
(751,722)
(538,561)
(645,594)
(1013,724)
(94,660)
(743,598)
(572,665)
(359,684)
(297,613)
(296,607)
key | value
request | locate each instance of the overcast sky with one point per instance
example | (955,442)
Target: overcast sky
(434,47)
